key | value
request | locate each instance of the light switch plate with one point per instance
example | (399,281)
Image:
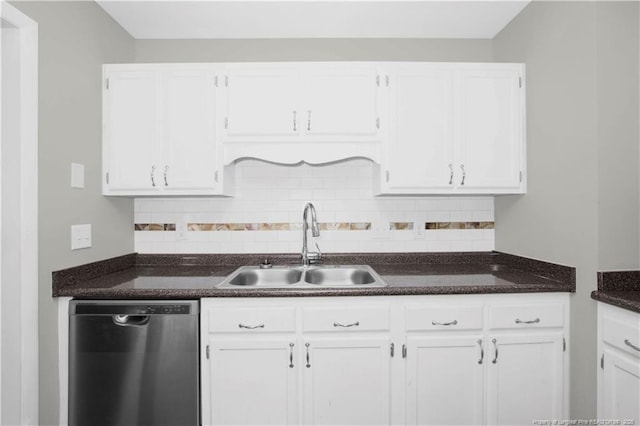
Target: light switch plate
(77,175)
(80,236)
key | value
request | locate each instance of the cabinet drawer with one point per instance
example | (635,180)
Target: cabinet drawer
(526,316)
(623,335)
(255,320)
(443,318)
(372,318)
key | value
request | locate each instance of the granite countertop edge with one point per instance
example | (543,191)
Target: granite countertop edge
(619,288)
(100,280)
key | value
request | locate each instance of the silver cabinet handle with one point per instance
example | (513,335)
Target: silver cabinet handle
(450,174)
(353,324)
(464,174)
(387,174)
(166,169)
(535,321)
(290,355)
(308,363)
(631,345)
(153,172)
(454,322)
(495,345)
(481,351)
(215,176)
(393,350)
(309,121)
(250,327)
(404,351)
(295,122)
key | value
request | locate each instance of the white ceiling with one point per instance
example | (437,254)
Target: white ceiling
(205,19)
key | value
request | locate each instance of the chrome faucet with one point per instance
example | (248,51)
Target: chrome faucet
(310,257)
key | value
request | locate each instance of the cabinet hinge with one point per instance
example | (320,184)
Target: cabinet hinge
(107,84)
(378,80)
(386,78)
(404,351)
(564,344)
(107,178)
(392,350)
(378,123)
(208,352)
(226,122)
(520,82)
(602,362)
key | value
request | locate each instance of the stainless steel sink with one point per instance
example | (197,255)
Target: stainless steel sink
(325,276)
(256,277)
(339,276)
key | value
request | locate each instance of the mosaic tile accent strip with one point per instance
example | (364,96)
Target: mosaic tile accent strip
(458,225)
(401,226)
(337,226)
(154,227)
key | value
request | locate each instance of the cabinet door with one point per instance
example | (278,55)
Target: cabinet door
(445,380)
(420,147)
(340,101)
(131,138)
(347,381)
(250,381)
(261,104)
(621,387)
(489,125)
(189,131)
(525,378)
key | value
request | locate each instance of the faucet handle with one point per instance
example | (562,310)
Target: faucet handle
(315,257)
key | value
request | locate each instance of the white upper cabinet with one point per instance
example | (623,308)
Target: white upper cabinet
(159,131)
(189,143)
(260,103)
(340,101)
(131,128)
(429,128)
(292,112)
(489,125)
(454,128)
(420,146)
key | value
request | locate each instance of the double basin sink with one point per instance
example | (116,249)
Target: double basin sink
(316,276)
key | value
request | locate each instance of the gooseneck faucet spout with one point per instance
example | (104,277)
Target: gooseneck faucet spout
(309,257)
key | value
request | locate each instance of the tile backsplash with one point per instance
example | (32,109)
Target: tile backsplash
(265,216)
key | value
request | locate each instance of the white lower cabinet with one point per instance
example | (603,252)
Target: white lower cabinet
(416,360)
(525,378)
(619,369)
(346,380)
(445,379)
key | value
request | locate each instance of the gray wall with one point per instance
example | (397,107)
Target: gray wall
(75,39)
(312,50)
(581,208)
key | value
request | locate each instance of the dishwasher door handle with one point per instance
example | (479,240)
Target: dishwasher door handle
(130,320)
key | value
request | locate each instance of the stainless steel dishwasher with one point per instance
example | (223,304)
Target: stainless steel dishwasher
(134,363)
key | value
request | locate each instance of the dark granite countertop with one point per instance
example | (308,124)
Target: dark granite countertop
(138,276)
(619,288)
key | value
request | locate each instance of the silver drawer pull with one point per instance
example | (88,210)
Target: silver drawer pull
(454,322)
(308,363)
(290,355)
(631,345)
(481,351)
(250,327)
(535,321)
(353,324)
(495,345)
